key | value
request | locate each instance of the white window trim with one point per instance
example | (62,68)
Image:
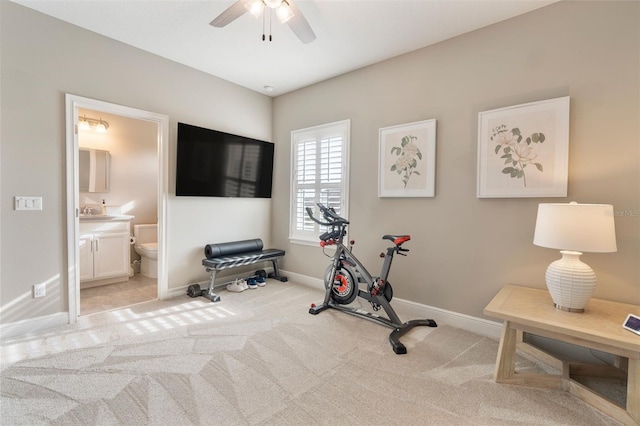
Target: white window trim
(343,128)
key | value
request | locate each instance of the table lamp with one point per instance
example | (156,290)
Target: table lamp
(574,228)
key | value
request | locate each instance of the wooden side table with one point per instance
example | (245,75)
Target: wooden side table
(529,310)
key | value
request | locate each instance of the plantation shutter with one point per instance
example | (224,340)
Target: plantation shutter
(319,175)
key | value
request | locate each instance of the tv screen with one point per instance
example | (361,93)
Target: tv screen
(211,163)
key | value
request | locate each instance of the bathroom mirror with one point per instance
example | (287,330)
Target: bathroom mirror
(94,170)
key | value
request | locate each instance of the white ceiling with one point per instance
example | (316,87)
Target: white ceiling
(350,34)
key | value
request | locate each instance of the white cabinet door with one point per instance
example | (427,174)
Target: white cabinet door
(111,255)
(85,262)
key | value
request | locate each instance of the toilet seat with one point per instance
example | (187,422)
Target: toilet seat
(149,250)
(146,236)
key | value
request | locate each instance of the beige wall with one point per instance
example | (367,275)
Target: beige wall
(463,249)
(43,58)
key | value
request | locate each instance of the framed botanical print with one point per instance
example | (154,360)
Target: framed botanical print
(523,150)
(407,160)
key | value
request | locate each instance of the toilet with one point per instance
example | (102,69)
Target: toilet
(146,246)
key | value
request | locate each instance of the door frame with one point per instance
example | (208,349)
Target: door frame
(72,104)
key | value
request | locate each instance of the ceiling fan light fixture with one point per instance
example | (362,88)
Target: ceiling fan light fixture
(255,7)
(284,12)
(273,4)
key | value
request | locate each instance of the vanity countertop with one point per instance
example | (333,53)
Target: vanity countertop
(105,217)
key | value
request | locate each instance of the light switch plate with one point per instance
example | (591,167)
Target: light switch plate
(28,203)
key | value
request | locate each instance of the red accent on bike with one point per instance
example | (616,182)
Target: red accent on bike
(381,254)
(401,240)
(352,242)
(343,283)
(313,305)
(322,244)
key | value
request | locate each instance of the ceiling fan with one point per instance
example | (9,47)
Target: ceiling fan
(285,10)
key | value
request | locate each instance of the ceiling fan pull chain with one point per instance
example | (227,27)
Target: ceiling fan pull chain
(264,19)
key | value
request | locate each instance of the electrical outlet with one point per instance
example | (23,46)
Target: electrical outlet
(39,290)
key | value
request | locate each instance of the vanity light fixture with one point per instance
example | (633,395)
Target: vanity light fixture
(86,123)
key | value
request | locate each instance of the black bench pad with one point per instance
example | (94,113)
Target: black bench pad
(234,247)
(241,259)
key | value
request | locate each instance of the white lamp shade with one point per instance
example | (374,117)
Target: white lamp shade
(576,227)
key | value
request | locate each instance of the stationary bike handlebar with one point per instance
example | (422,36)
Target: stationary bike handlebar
(336,223)
(329,214)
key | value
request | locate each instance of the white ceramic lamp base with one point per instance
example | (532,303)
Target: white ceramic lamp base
(571,282)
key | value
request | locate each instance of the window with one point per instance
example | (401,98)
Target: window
(319,174)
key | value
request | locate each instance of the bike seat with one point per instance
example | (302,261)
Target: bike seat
(397,239)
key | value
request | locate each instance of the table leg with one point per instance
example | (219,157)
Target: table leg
(633,390)
(506,361)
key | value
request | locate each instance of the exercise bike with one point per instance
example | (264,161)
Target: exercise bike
(342,278)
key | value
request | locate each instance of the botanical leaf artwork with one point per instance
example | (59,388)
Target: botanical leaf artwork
(408,155)
(518,153)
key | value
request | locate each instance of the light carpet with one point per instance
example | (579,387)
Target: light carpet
(259,358)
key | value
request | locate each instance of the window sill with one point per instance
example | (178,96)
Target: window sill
(314,243)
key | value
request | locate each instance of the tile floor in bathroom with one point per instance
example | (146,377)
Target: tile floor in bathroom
(113,296)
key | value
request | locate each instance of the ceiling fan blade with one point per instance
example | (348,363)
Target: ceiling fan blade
(230,14)
(299,25)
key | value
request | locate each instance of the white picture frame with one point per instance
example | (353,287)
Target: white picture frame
(407,160)
(523,150)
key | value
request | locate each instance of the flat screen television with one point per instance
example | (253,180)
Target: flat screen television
(211,163)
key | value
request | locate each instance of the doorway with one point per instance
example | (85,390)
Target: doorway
(75,104)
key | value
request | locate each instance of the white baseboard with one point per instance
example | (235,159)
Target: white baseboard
(407,309)
(24,327)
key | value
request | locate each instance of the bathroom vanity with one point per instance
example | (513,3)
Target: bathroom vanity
(105,242)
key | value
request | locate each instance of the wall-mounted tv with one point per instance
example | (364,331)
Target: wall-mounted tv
(211,163)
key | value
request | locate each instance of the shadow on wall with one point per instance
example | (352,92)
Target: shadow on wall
(52,295)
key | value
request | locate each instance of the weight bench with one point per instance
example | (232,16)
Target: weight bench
(232,255)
